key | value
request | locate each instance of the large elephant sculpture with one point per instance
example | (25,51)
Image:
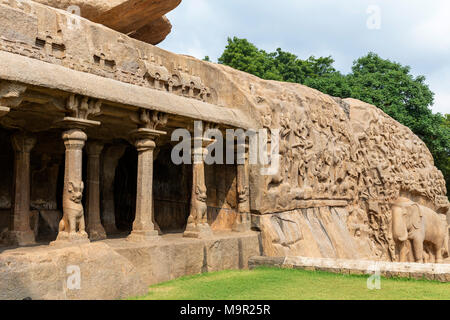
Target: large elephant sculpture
(418,224)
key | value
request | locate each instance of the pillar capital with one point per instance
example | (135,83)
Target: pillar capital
(199,148)
(94,148)
(144,139)
(23,142)
(74,139)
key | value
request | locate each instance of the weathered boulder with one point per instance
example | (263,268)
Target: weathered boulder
(142,19)
(89,9)
(154,32)
(50,273)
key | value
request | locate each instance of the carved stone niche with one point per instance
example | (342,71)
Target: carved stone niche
(156,75)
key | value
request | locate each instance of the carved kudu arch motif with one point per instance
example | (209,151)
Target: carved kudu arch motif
(179,81)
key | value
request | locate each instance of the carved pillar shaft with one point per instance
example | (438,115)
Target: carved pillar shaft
(144,202)
(143,227)
(95,228)
(242,222)
(74,141)
(111,158)
(198,184)
(20,231)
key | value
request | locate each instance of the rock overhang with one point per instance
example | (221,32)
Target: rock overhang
(144,20)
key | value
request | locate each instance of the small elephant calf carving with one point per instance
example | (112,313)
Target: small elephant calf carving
(72,223)
(418,224)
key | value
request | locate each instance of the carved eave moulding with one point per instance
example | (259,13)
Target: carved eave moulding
(78,109)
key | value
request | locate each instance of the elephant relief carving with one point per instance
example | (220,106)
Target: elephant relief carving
(72,223)
(419,225)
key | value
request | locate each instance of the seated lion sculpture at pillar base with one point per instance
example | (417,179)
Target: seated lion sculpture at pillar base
(72,225)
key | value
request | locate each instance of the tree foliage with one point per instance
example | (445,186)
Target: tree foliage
(381,82)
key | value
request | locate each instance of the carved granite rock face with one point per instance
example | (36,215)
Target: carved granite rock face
(337,153)
(342,162)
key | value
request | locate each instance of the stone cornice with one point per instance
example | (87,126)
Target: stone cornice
(17,68)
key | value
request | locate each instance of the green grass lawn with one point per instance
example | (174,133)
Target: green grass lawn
(292,284)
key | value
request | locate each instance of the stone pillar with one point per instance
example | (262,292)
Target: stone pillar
(20,232)
(242,222)
(111,158)
(197,225)
(143,226)
(72,225)
(95,228)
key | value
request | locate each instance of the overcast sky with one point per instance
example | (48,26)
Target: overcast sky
(412,32)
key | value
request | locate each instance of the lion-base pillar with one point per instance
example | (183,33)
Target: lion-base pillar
(72,225)
(197,225)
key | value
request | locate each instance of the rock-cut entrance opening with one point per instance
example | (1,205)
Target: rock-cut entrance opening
(171,191)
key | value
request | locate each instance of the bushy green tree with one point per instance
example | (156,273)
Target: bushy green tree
(279,65)
(381,82)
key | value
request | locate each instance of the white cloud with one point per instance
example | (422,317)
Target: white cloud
(413,32)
